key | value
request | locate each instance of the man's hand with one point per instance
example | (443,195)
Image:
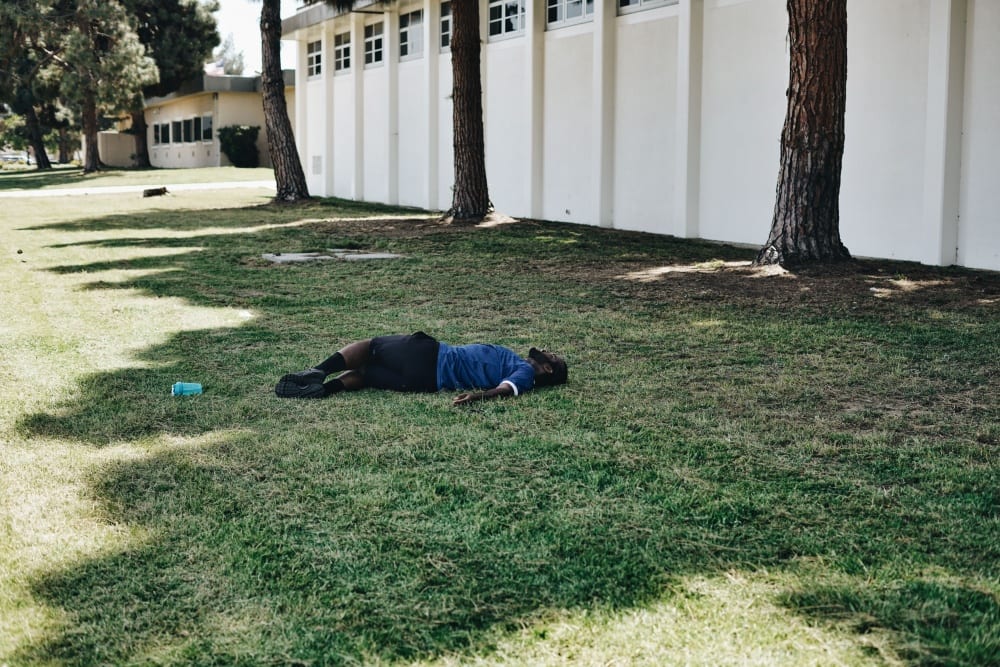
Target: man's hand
(470,397)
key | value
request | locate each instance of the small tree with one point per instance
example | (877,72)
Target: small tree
(239,143)
(806,223)
(227,57)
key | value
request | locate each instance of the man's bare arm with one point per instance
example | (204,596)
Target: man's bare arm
(503,389)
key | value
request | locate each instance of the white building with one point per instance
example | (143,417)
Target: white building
(182,127)
(663,116)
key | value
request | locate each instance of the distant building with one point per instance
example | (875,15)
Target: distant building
(182,127)
(663,115)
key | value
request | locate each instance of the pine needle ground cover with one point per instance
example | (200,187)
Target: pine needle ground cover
(746,467)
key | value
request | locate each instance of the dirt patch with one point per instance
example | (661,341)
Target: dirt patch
(660,268)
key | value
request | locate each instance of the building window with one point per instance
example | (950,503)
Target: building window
(411,34)
(206,127)
(342,52)
(373,43)
(625,6)
(506,17)
(163,133)
(156,133)
(445,25)
(197,129)
(566,12)
(175,131)
(188,130)
(314,58)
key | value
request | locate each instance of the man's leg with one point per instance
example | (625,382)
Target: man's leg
(309,383)
(349,358)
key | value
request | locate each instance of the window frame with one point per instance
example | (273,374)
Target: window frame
(642,5)
(374,55)
(504,19)
(444,36)
(562,6)
(342,52)
(314,58)
(414,26)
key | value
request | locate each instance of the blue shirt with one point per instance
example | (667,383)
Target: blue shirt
(479,366)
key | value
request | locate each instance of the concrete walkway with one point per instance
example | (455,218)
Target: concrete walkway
(136,189)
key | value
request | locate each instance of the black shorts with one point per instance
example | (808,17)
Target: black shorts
(403,363)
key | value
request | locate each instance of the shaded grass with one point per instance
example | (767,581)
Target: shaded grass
(751,469)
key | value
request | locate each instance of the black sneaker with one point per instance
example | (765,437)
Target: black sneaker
(308,376)
(292,389)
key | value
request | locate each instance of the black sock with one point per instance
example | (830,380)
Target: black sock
(333,386)
(334,364)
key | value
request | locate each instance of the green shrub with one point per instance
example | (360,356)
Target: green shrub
(239,143)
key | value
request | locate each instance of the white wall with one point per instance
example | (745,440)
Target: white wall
(979,230)
(743,99)
(315,161)
(881,200)
(695,135)
(568,126)
(344,135)
(376,137)
(445,140)
(413,120)
(506,120)
(645,115)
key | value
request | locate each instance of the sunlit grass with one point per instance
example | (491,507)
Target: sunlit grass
(74,177)
(801,475)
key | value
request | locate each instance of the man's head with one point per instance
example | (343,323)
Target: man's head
(550,369)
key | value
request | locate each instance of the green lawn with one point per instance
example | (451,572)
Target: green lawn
(746,468)
(73,177)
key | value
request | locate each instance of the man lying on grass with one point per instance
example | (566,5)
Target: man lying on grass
(418,362)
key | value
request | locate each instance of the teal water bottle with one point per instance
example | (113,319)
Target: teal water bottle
(185,389)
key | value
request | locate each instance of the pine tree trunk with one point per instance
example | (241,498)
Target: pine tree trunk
(141,158)
(65,152)
(91,157)
(471,199)
(34,130)
(806,223)
(290,179)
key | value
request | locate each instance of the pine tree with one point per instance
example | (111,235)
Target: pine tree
(290,179)
(806,223)
(103,66)
(24,31)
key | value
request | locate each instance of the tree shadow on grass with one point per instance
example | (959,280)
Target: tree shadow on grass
(33,178)
(275,534)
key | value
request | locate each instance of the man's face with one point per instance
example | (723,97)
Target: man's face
(543,357)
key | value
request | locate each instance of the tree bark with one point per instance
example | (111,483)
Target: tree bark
(65,152)
(806,223)
(471,198)
(35,138)
(140,158)
(290,179)
(91,158)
